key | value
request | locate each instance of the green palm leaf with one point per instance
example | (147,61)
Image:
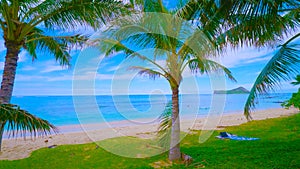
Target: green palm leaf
(164,128)
(68,14)
(58,46)
(284,65)
(147,71)
(19,122)
(205,66)
(297,82)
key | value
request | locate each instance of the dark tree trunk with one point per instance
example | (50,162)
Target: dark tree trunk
(8,78)
(174,153)
(9,72)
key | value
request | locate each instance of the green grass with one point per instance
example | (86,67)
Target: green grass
(278,147)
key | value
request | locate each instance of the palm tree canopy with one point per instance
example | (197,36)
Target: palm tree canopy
(248,23)
(284,65)
(22,22)
(243,22)
(168,36)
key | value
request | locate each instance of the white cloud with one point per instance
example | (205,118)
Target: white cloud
(1,65)
(240,57)
(60,78)
(28,68)
(113,68)
(22,56)
(53,68)
(91,76)
(20,77)
(2,47)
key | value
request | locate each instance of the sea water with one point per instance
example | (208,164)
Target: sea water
(63,110)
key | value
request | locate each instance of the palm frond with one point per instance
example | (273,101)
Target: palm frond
(154,6)
(147,71)
(111,46)
(284,65)
(205,66)
(297,82)
(146,31)
(68,14)
(164,128)
(260,22)
(20,122)
(198,44)
(58,46)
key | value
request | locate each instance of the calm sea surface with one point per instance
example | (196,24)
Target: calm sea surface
(62,110)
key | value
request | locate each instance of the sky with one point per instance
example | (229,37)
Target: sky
(44,76)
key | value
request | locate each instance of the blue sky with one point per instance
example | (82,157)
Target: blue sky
(44,76)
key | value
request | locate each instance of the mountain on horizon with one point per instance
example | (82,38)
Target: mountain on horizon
(239,90)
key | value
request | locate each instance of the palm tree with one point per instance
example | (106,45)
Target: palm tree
(25,23)
(177,44)
(295,99)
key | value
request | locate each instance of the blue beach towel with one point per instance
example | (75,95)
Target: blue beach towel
(225,135)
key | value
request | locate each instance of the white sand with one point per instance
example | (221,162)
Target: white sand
(19,148)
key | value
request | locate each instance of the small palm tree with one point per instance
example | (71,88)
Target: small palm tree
(295,99)
(25,23)
(162,32)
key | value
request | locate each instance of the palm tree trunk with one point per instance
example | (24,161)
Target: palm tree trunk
(9,72)
(174,153)
(8,78)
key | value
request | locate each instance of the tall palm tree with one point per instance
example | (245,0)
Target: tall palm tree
(179,45)
(24,24)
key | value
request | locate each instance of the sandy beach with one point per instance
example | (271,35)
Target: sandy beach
(19,148)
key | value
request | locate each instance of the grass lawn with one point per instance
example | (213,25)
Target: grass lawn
(278,147)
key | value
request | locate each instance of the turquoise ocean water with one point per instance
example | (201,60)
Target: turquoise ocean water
(60,110)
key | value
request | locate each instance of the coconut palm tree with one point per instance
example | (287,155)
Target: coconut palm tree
(25,23)
(174,41)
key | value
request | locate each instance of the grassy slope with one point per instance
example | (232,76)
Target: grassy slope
(279,147)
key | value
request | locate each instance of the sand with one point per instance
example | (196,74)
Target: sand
(19,148)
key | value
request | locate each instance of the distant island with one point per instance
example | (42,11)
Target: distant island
(239,90)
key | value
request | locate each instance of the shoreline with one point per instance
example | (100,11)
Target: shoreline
(18,148)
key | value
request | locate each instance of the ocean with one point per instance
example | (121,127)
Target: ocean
(61,110)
